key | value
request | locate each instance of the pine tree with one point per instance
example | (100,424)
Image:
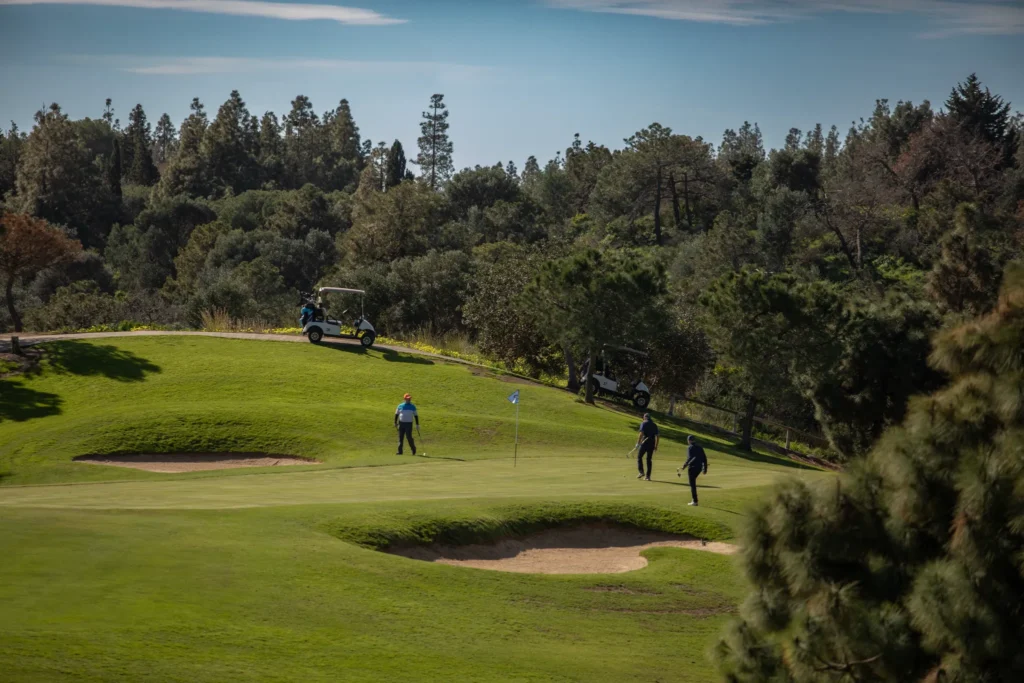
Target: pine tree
(114,170)
(793,139)
(742,151)
(58,181)
(11,145)
(908,567)
(511,171)
(965,279)
(531,171)
(137,151)
(184,173)
(108,112)
(831,150)
(395,171)
(271,149)
(345,139)
(435,157)
(979,111)
(306,151)
(228,146)
(165,140)
(815,140)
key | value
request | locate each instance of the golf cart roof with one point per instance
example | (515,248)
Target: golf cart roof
(340,290)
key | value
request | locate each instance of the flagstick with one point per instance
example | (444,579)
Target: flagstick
(515,456)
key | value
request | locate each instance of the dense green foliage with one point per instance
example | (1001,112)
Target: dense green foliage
(801,283)
(909,567)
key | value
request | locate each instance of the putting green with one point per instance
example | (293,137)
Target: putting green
(248,575)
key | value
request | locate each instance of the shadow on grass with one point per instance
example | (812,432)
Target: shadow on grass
(436,457)
(678,429)
(683,482)
(386,354)
(19,403)
(85,359)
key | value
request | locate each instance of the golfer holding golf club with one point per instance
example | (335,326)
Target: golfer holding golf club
(646,442)
(405,415)
(695,465)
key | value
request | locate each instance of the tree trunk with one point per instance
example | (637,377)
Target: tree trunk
(748,424)
(657,209)
(15,318)
(587,380)
(675,201)
(574,378)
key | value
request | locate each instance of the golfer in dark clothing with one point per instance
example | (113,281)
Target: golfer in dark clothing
(647,443)
(695,465)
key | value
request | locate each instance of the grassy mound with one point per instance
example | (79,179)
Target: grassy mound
(513,521)
(331,403)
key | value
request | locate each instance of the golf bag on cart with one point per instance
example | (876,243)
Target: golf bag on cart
(311,312)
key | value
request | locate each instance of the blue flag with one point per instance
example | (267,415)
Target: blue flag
(514,398)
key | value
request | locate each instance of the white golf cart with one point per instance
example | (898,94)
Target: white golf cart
(605,383)
(320,324)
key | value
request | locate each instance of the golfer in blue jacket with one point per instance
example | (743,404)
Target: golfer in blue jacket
(405,415)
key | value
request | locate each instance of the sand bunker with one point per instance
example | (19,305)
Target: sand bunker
(590,549)
(194,462)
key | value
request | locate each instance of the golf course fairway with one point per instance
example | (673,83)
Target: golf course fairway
(273,574)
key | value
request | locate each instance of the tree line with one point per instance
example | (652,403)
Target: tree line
(804,282)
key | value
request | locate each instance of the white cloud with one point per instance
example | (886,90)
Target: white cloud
(943,17)
(248,8)
(189,66)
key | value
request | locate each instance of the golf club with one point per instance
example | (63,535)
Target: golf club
(419,435)
(642,441)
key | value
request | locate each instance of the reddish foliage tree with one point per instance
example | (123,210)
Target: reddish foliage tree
(27,245)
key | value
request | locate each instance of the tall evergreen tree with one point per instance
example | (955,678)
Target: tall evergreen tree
(815,140)
(184,173)
(395,172)
(793,139)
(741,151)
(114,170)
(908,567)
(271,149)
(965,278)
(345,139)
(227,148)
(11,145)
(435,157)
(137,150)
(108,112)
(979,111)
(531,171)
(165,140)
(58,181)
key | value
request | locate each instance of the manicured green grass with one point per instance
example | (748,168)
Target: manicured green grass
(332,403)
(249,575)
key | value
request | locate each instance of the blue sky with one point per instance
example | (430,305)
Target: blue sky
(519,76)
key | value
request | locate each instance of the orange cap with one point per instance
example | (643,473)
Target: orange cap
(407,396)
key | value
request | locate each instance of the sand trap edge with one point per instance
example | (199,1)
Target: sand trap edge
(581,549)
(170,463)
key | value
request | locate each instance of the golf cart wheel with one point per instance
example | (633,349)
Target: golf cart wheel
(641,400)
(315,334)
(367,339)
